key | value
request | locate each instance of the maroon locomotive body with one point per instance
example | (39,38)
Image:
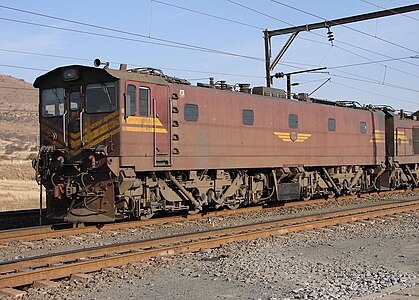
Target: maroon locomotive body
(128,143)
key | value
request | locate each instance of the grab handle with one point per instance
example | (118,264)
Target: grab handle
(65,129)
(81,127)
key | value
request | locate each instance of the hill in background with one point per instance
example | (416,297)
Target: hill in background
(18,119)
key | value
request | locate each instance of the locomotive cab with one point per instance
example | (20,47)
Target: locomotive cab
(79,124)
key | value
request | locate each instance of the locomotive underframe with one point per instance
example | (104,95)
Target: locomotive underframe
(196,190)
(97,191)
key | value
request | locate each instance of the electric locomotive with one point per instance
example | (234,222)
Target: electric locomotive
(118,144)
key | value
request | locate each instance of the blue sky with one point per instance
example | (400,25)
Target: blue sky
(393,82)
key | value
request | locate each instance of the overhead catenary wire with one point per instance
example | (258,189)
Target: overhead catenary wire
(288,64)
(336,68)
(319,35)
(336,46)
(376,5)
(182,44)
(377,82)
(373,93)
(107,28)
(197,71)
(206,14)
(227,73)
(366,80)
(162,43)
(345,26)
(357,78)
(24,68)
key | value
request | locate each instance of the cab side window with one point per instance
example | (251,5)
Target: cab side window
(131,100)
(144,101)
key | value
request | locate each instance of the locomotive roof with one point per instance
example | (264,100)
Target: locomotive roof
(106,74)
(54,78)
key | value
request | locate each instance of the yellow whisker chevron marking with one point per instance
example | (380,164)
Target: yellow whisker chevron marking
(292,136)
(104,120)
(142,124)
(143,129)
(145,121)
(92,134)
(101,139)
(378,136)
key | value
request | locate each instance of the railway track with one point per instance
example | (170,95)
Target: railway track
(66,229)
(21,218)
(23,213)
(26,271)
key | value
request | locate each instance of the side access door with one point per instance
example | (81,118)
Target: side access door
(404,142)
(147,113)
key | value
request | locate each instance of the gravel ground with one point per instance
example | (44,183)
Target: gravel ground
(342,262)
(16,250)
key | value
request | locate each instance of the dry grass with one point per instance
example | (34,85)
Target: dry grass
(18,195)
(18,188)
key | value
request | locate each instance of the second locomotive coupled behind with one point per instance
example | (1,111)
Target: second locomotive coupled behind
(123,143)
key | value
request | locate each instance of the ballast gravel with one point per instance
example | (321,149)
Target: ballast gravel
(340,262)
(18,250)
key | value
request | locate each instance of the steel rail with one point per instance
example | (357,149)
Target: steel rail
(95,259)
(61,230)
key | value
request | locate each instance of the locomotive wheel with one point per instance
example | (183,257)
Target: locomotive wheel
(194,211)
(148,215)
(306,197)
(331,195)
(233,206)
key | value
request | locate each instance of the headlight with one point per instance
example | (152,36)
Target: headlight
(70,74)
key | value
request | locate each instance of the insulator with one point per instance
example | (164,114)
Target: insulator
(330,35)
(211,81)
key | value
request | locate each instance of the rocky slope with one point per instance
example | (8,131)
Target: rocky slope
(18,118)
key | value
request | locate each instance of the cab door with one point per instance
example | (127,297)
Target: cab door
(73,117)
(147,114)
(161,123)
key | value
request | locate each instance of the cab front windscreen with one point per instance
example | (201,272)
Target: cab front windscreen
(52,102)
(96,98)
(100,97)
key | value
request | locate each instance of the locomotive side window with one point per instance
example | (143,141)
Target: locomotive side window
(52,101)
(363,128)
(331,124)
(293,121)
(101,97)
(191,112)
(144,101)
(248,117)
(131,98)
